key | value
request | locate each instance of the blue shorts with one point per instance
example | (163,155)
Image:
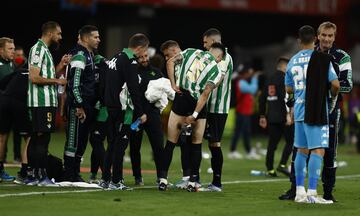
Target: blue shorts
(311,137)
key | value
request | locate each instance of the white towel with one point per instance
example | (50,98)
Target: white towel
(159,91)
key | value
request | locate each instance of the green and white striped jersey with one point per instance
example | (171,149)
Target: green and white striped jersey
(42,95)
(219,100)
(196,70)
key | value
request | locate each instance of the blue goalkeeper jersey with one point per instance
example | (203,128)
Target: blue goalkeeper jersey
(296,79)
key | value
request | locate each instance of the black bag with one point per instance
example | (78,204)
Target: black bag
(55,168)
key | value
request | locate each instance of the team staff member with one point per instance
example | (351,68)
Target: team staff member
(218,108)
(152,126)
(42,100)
(198,76)
(275,115)
(341,62)
(7,51)
(122,70)
(81,100)
(17,118)
(98,130)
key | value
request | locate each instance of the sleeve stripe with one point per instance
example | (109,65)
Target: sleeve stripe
(76,88)
(77,64)
(345,66)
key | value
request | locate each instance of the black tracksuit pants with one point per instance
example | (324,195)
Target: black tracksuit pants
(118,139)
(276,130)
(154,131)
(77,134)
(97,137)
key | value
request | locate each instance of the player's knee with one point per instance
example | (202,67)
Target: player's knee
(215,145)
(303,150)
(318,151)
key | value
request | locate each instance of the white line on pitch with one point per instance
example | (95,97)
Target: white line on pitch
(147,187)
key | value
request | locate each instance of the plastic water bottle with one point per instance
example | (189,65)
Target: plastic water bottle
(61,88)
(135,125)
(257,173)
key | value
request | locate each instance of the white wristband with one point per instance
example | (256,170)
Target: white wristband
(195,114)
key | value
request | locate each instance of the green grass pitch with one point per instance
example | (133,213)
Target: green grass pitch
(242,194)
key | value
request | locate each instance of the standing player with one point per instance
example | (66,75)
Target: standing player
(170,49)
(81,100)
(123,101)
(42,100)
(341,61)
(198,76)
(99,127)
(308,75)
(218,108)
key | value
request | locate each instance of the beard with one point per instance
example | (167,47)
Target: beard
(55,45)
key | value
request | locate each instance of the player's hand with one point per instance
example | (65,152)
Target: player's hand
(263,122)
(143,118)
(290,117)
(80,113)
(65,60)
(176,88)
(61,81)
(189,120)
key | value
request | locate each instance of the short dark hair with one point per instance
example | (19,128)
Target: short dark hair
(220,46)
(86,30)
(211,32)
(284,59)
(49,26)
(138,40)
(306,34)
(167,44)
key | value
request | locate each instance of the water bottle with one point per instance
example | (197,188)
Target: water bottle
(61,88)
(135,125)
(257,173)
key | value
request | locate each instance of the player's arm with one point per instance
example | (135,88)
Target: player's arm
(289,90)
(77,66)
(36,59)
(36,78)
(289,82)
(262,105)
(64,61)
(170,67)
(223,66)
(132,82)
(200,103)
(335,87)
(334,81)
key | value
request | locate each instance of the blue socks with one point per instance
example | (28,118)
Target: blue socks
(314,168)
(300,168)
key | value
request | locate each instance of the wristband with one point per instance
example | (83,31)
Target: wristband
(195,114)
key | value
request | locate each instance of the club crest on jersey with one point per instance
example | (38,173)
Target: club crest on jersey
(195,70)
